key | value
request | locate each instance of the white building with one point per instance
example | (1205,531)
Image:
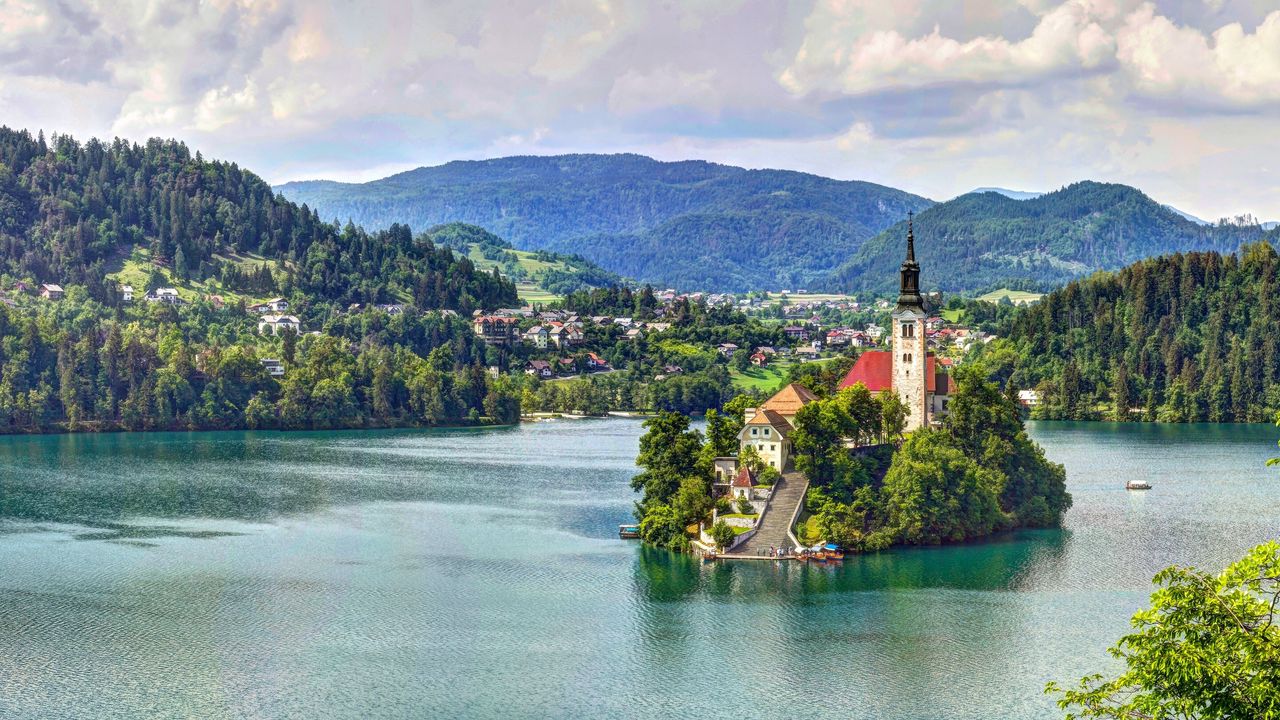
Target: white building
(276,324)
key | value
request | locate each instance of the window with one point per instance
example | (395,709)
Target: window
(772,448)
(908,330)
(755,431)
(766,432)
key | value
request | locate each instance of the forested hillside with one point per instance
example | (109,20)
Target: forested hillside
(77,214)
(69,211)
(985,240)
(692,224)
(1180,338)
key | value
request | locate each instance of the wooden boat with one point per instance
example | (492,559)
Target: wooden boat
(820,556)
(628,532)
(1137,485)
(835,554)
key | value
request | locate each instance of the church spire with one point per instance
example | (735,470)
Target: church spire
(909,275)
(911,237)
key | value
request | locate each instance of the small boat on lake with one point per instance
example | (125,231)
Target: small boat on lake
(1137,485)
(628,532)
(833,552)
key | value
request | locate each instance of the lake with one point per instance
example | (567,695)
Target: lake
(477,573)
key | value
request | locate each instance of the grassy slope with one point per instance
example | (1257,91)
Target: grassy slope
(530,292)
(768,378)
(135,268)
(1015,296)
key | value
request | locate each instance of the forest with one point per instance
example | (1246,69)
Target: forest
(72,213)
(1188,337)
(987,241)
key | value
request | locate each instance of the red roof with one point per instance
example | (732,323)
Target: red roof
(874,369)
(743,478)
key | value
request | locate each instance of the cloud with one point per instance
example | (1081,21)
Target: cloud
(1231,66)
(932,95)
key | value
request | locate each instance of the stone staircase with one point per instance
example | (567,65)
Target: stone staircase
(772,532)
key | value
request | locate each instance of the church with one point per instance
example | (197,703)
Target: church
(909,369)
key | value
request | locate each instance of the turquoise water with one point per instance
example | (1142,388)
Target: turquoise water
(478,574)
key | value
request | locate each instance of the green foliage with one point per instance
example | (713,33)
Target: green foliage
(986,240)
(82,206)
(934,493)
(978,474)
(744,505)
(1181,338)
(669,454)
(722,534)
(1207,648)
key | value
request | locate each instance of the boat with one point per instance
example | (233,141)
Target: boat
(628,532)
(834,552)
(1137,485)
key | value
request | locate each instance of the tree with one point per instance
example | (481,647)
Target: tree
(744,505)
(935,493)
(669,453)
(722,534)
(692,501)
(1207,648)
(893,416)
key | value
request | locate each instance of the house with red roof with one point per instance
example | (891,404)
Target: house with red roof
(768,428)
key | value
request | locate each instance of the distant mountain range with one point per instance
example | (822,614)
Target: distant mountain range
(987,239)
(700,225)
(689,224)
(1024,195)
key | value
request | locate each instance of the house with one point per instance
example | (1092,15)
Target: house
(725,468)
(49,291)
(274,367)
(276,324)
(274,305)
(795,332)
(768,428)
(538,368)
(595,362)
(672,369)
(909,369)
(495,329)
(807,352)
(392,308)
(742,484)
(168,296)
(564,335)
(1028,398)
(759,359)
(536,336)
(126,293)
(633,334)
(727,349)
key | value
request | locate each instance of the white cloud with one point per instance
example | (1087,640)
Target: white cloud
(1231,66)
(664,87)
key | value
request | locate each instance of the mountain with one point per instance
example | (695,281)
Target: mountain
(1178,338)
(689,224)
(92,217)
(70,213)
(1011,194)
(986,240)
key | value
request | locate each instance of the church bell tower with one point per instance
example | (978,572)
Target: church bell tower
(910,349)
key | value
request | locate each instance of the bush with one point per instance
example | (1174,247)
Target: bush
(722,534)
(769,476)
(744,505)
(723,506)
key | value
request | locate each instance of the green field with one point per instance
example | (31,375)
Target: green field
(135,268)
(767,378)
(1017,297)
(530,292)
(953,316)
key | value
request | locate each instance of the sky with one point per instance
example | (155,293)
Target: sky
(1180,98)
